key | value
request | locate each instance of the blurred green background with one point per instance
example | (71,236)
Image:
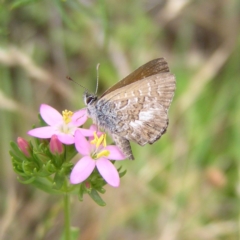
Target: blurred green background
(185,186)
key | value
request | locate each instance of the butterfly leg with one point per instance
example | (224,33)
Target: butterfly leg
(124,146)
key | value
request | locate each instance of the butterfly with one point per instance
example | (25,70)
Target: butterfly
(136,108)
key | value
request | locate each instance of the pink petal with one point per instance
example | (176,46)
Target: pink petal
(108,172)
(93,127)
(115,153)
(82,170)
(81,144)
(42,132)
(79,117)
(66,138)
(86,132)
(50,115)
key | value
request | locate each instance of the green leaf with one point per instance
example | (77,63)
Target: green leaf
(45,186)
(101,190)
(58,160)
(67,166)
(29,168)
(18,169)
(40,158)
(59,179)
(16,151)
(96,198)
(27,181)
(70,152)
(121,174)
(14,146)
(49,167)
(43,172)
(16,158)
(119,169)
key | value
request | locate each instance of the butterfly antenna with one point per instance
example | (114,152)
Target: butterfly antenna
(70,79)
(97,78)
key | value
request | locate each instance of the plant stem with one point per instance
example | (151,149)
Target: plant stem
(67,233)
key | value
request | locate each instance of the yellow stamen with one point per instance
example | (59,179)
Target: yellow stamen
(95,138)
(67,116)
(104,153)
(99,140)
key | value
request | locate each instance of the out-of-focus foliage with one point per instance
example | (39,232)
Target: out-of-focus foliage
(185,186)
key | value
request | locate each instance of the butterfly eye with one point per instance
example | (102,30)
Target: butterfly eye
(90,99)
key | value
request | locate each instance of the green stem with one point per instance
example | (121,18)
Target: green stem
(67,233)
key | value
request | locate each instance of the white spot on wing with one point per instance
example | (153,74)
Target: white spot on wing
(146,116)
(135,124)
(149,89)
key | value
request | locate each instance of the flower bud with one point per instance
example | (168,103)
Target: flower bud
(24,146)
(88,185)
(56,147)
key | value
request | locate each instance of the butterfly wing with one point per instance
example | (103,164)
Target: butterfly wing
(139,111)
(124,145)
(149,69)
(136,108)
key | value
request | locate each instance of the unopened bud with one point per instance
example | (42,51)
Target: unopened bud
(56,147)
(24,146)
(88,185)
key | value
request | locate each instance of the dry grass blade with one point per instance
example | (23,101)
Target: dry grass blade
(14,106)
(15,57)
(209,70)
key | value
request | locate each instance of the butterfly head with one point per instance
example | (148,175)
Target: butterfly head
(89,98)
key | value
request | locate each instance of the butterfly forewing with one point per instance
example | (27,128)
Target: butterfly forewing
(149,69)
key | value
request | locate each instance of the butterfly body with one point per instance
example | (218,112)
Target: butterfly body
(136,108)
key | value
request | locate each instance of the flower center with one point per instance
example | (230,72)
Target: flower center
(64,128)
(103,153)
(67,116)
(99,142)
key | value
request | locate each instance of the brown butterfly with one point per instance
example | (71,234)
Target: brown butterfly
(136,108)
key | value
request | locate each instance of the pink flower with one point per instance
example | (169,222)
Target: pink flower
(24,146)
(63,126)
(55,146)
(95,153)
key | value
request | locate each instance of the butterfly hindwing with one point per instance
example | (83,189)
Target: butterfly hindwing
(139,112)
(124,145)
